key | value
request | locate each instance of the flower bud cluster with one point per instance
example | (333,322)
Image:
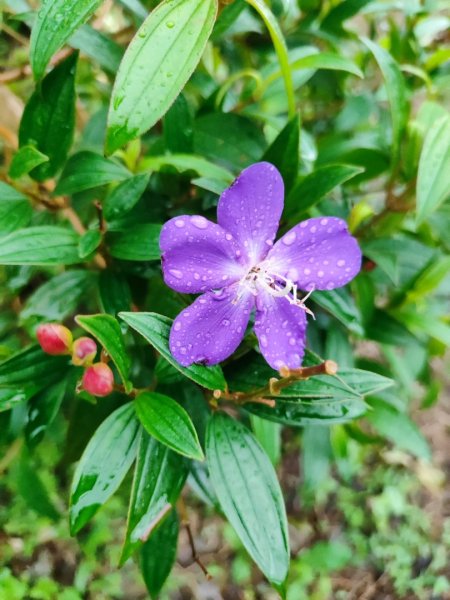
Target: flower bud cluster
(55,339)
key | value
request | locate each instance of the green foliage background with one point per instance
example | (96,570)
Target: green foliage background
(108,128)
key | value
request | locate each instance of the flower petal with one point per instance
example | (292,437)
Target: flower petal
(251,208)
(281,331)
(198,255)
(317,254)
(211,329)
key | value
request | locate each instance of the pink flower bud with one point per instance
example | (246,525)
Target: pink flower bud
(54,339)
(83,351)
(98,380)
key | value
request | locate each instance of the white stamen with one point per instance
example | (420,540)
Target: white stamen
(261,276)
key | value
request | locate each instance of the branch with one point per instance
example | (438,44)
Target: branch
(274,385)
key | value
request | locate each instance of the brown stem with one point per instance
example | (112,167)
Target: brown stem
(274,385)
(185,522)
(25,71)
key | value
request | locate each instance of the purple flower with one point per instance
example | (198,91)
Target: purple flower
(236,267)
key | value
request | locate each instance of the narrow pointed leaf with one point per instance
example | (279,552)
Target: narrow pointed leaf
(46,245)
(249,494)
(107,331)
(159,477)
(104,464)
(48,121)
(25,160)
(56,21)
(169,423)
(156,329)
(174,35)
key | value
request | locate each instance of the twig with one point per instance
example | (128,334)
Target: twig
(274,385)
(25,71)
(187,526)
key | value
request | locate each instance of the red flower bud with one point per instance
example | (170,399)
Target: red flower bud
(54,339)
(98,380)
(83,351)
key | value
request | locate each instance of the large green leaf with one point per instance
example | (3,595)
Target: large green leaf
(48,120)
(159,477)
(313,187)
(140,242)
(156,329)
(169,423)
(434,167)
(86,170)
(249,494)
(107,331)
(56,22)
(396,92)
(104,464)
(341,305)
(98,46)
(158,554)
(174,35)
(46,245)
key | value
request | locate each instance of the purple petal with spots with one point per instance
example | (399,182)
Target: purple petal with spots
(281,331)
(317,254)
(211,329)
(198,255)
(251,208)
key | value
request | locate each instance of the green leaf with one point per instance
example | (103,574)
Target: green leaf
(434,167)
(324,60)
(341,305)
(178,126)
(48,121)
(188,162)
(284,152)
(169,423)
(104,464)
(398,428)
(158,554)
(99,47)
(43,408)
(46,245)
(59,297)
(268,435)
(86,170)
(159,477)
(174,35)
(32,489)
(309,190)
(316,459)
(249,494)
(25,160)
(28,372)
(56,22)
(107,331)
(396,92)
(89,242)
(140,242)
(156,329)
(122,199)
(115,294)
(231,140)
(15,209)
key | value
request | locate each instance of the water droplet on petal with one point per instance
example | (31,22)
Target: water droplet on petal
(225,322)
(289,238)
(323,221)
(183,350)
(196,276)
(263,341)
(179,223)
(320,273)
(176,273)
(199,221)
(284,324)
(228,236)
(177,326)
(340,263)
(292,341)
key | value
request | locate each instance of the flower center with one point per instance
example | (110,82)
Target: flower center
(260,277)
